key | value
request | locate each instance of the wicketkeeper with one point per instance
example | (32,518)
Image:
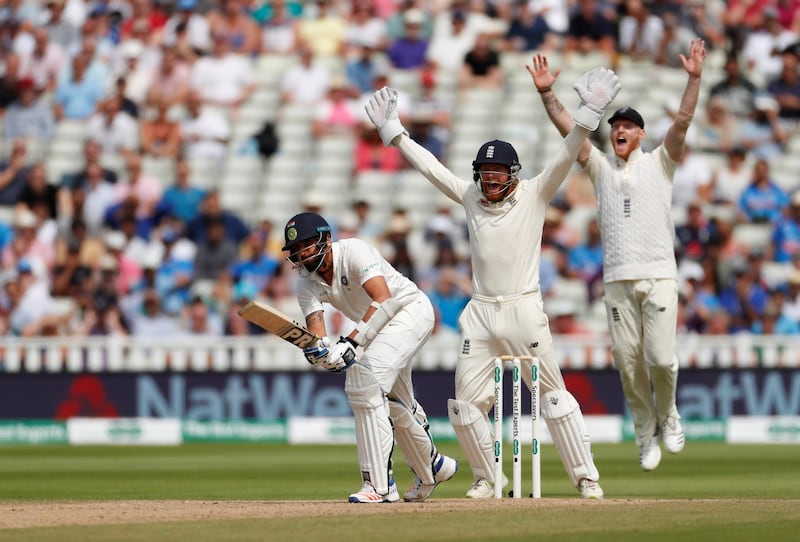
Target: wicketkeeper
(395,319)
(505,217)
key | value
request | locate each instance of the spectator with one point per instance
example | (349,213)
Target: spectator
(691,181)
(563,315)
(305,82)
(27,246)
(585,261)
(481,66)
(729,180)
(786,89)
(762,133)
(278,19)
(450,42)
(39,196)
(702,19)
(13,173)
(78,96)
(370,154)
(410,49)
(763,44)
(152,321)
(716,130)
(232,21)
(89,198)
(591,29)
(102,317)
(693,236)
(113,129)
(744,300)
(161,137)
(182,200)
(71,276)
(187,20)
(216,253)
(45,62)
(59,29)
(211,209)
(9,81)
(528,30)
(197,319)
(204,132)
(172,81)
(126,271)
(396,23)
(255,265)
(735,88)
(31,311)
(786,234)
(791,307)
(763,200)
(396,244)
(325,33)
(365,28)
(640,32)
(143,188)
(774,322)
(175,274)
(450,294)
(338,113)
(361,67)
(223,78)
(29,116)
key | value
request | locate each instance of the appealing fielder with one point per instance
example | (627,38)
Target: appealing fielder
(634,197)
(394,320)
(505,314)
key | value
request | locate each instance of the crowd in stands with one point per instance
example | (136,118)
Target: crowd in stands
(117,247)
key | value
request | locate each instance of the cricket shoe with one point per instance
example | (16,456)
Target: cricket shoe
(672,435)
(483,489)
(650,454)
(444,468)
(590,489)
(367,494)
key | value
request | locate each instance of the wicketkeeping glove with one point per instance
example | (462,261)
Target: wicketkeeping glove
(382,111)
(319,353)
(343,355)
(596,89)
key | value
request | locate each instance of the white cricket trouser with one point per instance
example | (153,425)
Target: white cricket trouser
(491,327)
(389,358)
(642,320)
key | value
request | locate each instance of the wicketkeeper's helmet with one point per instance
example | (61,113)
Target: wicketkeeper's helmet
(496,152)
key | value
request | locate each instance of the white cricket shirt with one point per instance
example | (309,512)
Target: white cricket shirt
(634,201)
(505,238)
(354,263)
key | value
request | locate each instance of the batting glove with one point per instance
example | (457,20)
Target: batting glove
(382,111)
(319,353)
(343,355)
(596,89)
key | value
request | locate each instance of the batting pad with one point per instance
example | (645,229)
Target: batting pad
(563,416)
(411,433)
(474,437)
(374,438)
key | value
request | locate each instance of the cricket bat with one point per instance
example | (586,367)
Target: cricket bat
(277,323)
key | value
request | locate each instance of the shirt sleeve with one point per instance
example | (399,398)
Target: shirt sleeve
(308,302)
(433,170)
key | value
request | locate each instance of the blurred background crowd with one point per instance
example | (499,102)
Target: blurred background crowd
(151,151)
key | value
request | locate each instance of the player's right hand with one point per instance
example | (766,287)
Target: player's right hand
(319,353)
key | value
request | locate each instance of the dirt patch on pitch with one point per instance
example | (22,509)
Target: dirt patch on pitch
(53,514)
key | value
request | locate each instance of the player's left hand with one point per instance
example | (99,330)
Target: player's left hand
(697,53)
(343,355)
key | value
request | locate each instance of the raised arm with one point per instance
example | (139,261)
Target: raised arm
(675,140)
(544,80)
